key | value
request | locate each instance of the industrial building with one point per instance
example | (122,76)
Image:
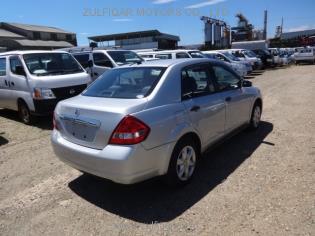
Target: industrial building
(150,39)
(16,36)
(217,33)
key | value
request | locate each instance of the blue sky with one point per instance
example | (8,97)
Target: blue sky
(179,17)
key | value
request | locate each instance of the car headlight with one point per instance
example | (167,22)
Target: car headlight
(43,93)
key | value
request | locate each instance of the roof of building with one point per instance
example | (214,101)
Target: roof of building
(38,28)
(42,43)
(136,34)
(289,35)
(7,34)
(22,52)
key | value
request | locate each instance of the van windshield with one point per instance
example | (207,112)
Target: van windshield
(196,54)
(132,83)
(230,56)
(42,64)
(125,57)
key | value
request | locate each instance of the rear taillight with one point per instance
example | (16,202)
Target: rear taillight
(55,123)
(129,131)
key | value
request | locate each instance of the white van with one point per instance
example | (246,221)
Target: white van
(97,61)
(172,54)
(33,82)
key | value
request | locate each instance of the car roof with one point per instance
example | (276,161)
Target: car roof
(170,62)
(28,52)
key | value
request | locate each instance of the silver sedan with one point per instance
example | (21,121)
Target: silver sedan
(156,118)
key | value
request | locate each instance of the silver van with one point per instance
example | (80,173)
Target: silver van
(172,54)
(33,82)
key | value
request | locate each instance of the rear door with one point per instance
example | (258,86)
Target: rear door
(101,64)
(205,107)
(236,100)
(4,83)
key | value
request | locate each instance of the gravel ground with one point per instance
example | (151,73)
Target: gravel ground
(255,183)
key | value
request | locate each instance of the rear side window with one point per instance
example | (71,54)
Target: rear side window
(225,79)
(2,67)
(163,56)
(132,83)
(196,81)
(100,59)
(14,62)
(83,59)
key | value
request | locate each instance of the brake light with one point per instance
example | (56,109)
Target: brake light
(55,123)
(129,131)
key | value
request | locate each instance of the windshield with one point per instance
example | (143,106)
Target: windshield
(196,54)
(230,56)
(125,57)
(135,82)
(41,64)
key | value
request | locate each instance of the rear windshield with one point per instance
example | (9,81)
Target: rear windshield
(136,82)
(124,57)
(42,64)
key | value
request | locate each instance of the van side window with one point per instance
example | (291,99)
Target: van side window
(225,79)
(2,67)
(182,55)
(163,56)
(14,62)
(196,81)
(100,59)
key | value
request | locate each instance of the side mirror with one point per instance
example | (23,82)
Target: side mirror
(19,70)
(247,83)
(90,63)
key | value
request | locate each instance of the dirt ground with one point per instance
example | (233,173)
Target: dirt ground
(259,182)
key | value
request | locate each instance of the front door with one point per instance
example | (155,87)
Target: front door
(205,107)
(236,100)
(4,84)
(101,64)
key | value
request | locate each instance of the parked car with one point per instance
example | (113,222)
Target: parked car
(98,60)
(265,57)
(248,56)
(33,82)
(140,121)
(275,52)
(305,55)
(245,62)
(172,54)
(240,68)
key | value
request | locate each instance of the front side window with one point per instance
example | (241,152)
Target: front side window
(124,57)
(14,62)
(83,59)
(42,64)
(100,59)
(2,67)
(225,79)
(128,83)
(196,81)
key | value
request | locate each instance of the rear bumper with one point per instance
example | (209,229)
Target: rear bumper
(121,164)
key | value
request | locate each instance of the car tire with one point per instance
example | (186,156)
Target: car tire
(183,163)
(25,114)
(255,117)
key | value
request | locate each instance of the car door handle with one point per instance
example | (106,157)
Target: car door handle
(228,99)
(12,83)
(195,108)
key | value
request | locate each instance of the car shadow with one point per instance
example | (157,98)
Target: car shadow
(3,140)
(152,201)
(42,122)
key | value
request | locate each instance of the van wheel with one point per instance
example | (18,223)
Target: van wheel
(183,163)
(255,118)
(25,114)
